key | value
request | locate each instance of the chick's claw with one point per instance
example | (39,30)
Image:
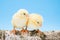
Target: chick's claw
(13,32)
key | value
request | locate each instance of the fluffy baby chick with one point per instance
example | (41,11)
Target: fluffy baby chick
(19,19)
(35,22)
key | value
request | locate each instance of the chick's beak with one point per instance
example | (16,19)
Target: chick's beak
(26,15)
(40,24)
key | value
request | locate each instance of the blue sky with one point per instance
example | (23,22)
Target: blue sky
(49,9)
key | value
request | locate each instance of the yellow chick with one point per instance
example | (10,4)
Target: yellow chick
(19,19)
(35,21)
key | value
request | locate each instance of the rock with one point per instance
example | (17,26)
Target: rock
(2,34)
(32,35)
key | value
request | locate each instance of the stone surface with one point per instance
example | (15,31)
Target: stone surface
(32,35)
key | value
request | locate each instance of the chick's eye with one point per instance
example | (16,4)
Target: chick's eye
(24,13)
(38,22)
